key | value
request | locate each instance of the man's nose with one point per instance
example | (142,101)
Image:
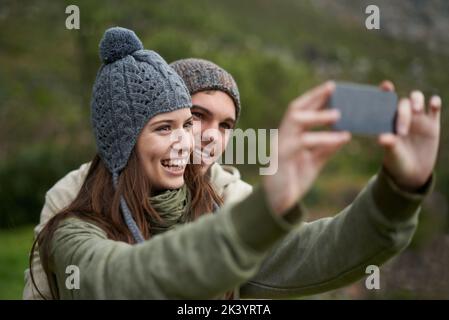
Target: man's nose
(211,134)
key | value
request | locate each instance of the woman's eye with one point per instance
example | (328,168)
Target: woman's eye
(188,124)
(197,115)
(163,129)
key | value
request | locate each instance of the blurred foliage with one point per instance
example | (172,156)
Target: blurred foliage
(23,176)
(274,49)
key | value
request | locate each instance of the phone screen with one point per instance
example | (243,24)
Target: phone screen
(365,109)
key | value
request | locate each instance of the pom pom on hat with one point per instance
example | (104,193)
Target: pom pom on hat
(117,43)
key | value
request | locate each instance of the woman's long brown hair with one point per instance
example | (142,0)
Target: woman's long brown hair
(98,202)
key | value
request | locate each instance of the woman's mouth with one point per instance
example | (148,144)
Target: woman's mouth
(175,166)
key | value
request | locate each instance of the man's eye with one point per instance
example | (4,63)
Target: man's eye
(225,126)
(197,115)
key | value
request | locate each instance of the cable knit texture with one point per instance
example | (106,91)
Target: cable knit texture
(202,75)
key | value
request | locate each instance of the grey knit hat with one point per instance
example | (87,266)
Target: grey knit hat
(202,75)
(132,86)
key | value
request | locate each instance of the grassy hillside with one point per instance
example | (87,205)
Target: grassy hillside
(14,248)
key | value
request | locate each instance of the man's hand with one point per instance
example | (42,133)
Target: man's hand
(410,155)
(302,153)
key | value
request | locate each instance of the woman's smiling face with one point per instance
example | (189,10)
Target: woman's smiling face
(164,147)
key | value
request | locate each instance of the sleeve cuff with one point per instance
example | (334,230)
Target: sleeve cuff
(296,214)
(396,203)
(258,226)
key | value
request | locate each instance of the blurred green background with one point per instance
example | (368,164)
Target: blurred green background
(274,49)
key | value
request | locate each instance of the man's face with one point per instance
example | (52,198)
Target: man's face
(213,114)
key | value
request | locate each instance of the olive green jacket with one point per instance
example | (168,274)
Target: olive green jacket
(245,246)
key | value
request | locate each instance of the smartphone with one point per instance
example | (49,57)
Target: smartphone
(365,109)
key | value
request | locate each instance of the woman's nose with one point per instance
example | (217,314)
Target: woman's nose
(183,142)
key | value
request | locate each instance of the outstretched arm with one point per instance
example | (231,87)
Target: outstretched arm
(330,253)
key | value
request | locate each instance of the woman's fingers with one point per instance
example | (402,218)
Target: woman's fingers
(387,85)
(317,141)
(307,119)
(418,104)
(387,140)
(404,117)
(314,140)
(417,100)
(323,154)
(435,108)
(315,98)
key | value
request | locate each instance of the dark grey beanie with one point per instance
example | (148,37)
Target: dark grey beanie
(132,86)
(202,75)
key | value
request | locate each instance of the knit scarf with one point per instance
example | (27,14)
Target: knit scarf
(173,208)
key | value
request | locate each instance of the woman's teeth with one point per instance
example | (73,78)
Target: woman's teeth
(177,163)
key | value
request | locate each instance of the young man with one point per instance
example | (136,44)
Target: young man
(324,254)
